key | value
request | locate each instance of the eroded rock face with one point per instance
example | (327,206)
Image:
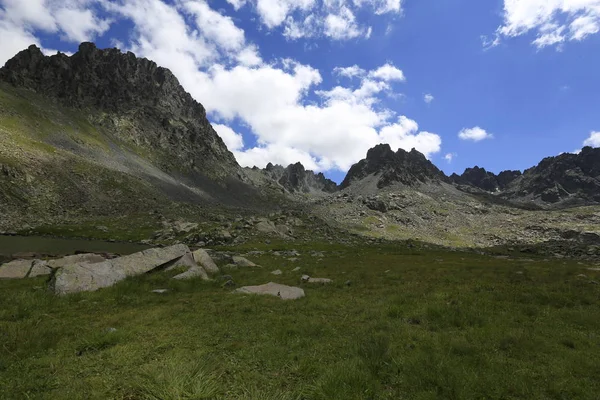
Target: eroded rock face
(408,168)
(274,289)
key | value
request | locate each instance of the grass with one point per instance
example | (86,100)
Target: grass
(411,323)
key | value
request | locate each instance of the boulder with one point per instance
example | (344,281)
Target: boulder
(273,289)
(203,258)
(277,272)
(308,279)
(89,258)
(15,269)
(193,272)
(242,262)
(39,268)
(85,276)
(186,260)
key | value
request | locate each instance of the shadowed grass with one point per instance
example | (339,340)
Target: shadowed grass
(414,323)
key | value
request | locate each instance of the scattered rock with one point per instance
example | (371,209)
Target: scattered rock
(203,259)
(85,276)
(304,278)
(322,281)
(277,272)
(348,283)
(274,289)
(242,262)
(296,269)
(160,291)
(228,284)
(16,269)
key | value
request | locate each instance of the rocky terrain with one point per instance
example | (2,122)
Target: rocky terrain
(103,138)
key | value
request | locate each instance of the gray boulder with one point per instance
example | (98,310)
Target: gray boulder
(193,272)
(39,268)
(277,272)
(203,258)
(242,262)
(308,279)
(273,289)
(84,276)
(16,269)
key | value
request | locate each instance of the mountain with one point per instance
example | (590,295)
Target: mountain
(485,180)
(564,180)
(567,179)
(103,132)
(386,167)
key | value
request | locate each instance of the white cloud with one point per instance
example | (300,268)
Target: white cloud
(593,140)
(552,21)
(349,72)
(233,141)
(237,4)
(274,12)
(342,25)
(73,20)
(475,134)
(428,98)
(388,72)
(449,157)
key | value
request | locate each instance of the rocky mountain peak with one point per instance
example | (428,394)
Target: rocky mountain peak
(295,178)
(139,101)
(408,168)
(485,180)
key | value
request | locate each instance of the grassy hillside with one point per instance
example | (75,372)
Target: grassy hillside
(411,323)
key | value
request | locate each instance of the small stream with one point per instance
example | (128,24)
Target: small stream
(50,246)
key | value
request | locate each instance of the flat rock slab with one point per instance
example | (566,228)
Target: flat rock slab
(16,269)
(82,277)
(203,258)
(308,279)
(160,291)
(593,269)
(242,262)
(273,289)
(277,272)
(89,258)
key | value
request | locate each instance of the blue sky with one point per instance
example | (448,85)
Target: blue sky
(499,84)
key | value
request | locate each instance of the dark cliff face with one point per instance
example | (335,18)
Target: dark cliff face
(485,180)
(408,168)
(295,178)
(565,178)
(115,87)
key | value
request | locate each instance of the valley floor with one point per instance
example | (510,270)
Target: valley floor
(398,322)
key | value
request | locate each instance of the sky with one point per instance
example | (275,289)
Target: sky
(498,83)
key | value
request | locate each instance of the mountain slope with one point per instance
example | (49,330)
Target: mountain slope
(104,133)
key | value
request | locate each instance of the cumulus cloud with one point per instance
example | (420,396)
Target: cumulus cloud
(428,98)
(73,20)
(593,140)
(282,103)
(449,157)
(475,134)
(552,21)
(335,19)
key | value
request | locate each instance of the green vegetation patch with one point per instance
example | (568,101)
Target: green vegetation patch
(398,322)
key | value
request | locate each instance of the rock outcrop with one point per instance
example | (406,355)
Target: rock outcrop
(389,167)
